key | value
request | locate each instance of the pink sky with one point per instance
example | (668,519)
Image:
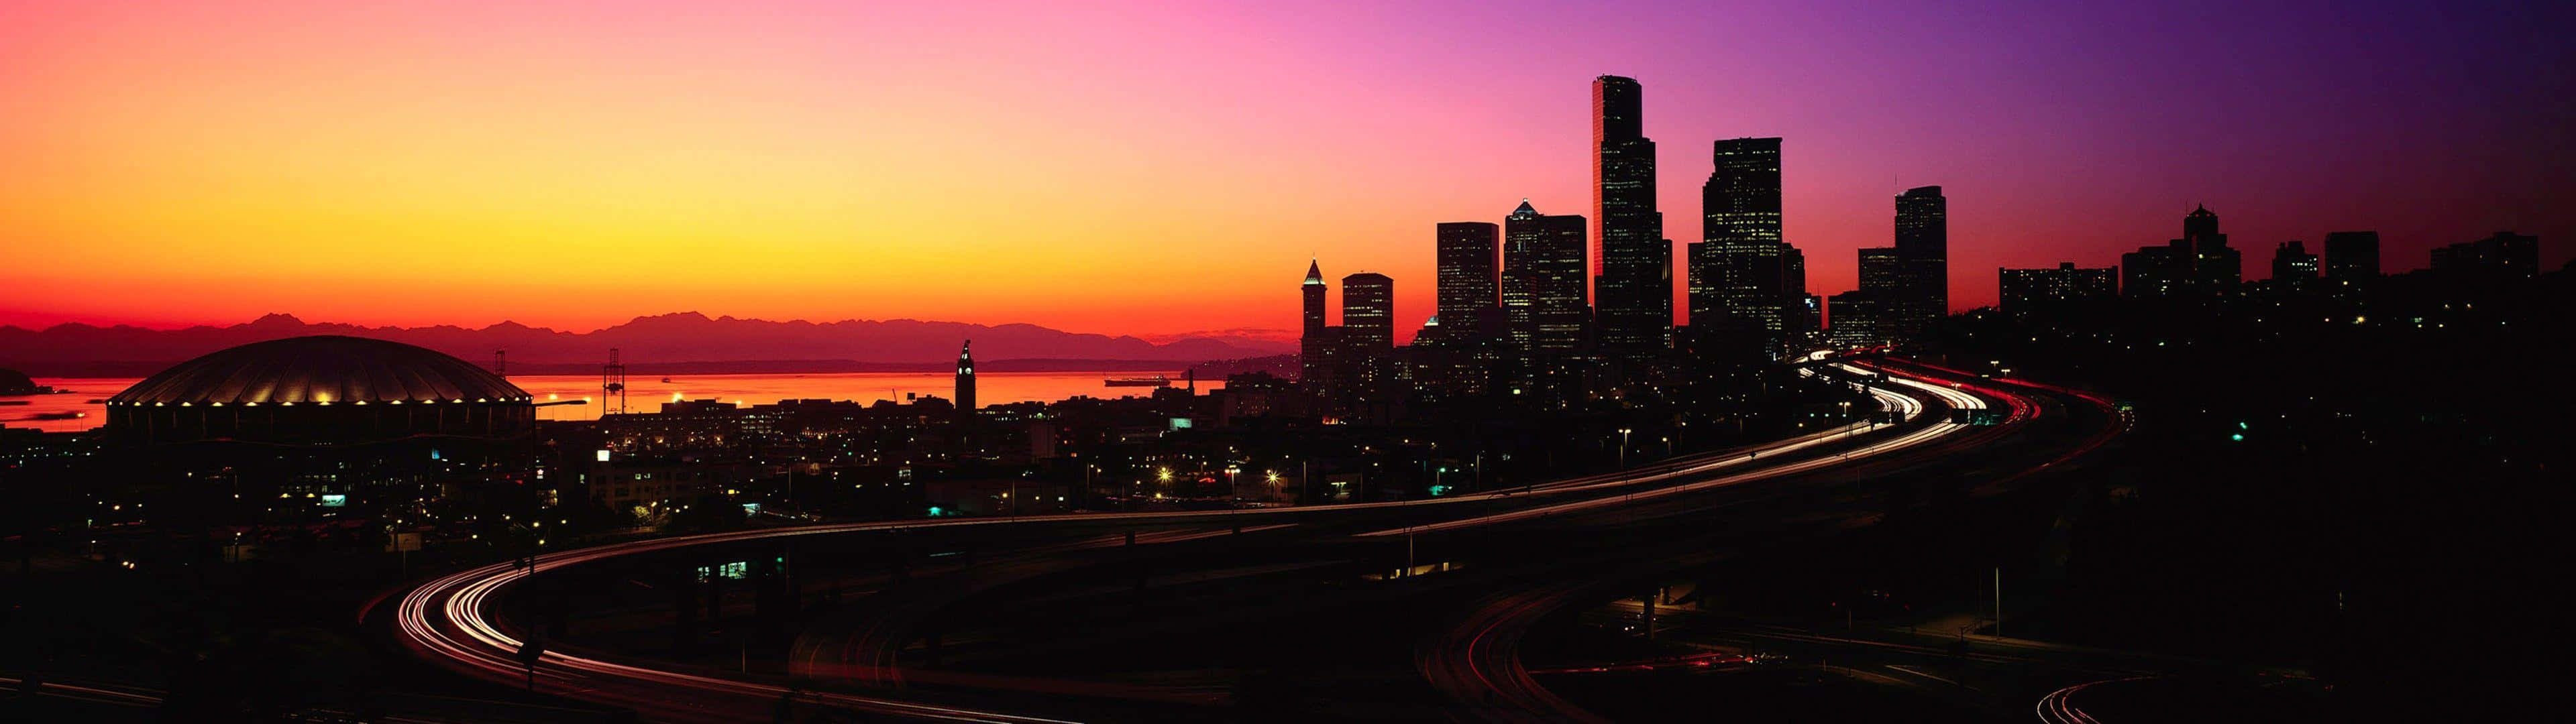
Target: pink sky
(1161,168)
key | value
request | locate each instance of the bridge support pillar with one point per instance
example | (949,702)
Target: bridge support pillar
(715,596)
(1650,599)
(684,603)
(768,585)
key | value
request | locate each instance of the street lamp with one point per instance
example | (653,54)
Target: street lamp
(1623,465)
(1623,447)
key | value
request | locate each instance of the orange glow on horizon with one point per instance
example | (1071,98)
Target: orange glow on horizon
(1119,170)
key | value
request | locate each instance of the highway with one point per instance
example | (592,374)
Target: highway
(1906,406)
(1477,661)
(450,620)
(2058,707)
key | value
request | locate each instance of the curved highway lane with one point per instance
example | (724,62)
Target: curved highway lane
(446,619)
(1477,663)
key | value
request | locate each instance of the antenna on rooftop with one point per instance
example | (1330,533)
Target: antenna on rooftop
(612,386)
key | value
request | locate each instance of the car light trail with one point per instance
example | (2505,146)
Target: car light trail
(2058,707)
(1910,409)
(444,618)
(1477,663)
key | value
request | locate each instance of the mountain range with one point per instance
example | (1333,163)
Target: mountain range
(666,343)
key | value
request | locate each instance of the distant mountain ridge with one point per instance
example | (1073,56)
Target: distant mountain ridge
(673,342)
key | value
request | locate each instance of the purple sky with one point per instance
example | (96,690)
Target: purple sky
(1159,168)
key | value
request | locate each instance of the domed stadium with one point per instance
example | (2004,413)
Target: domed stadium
(322,389)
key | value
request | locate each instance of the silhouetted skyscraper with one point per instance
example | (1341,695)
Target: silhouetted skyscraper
(1890,304)
(1739,267)
(1470,255)
(1923,223)
(2292,266)
(1543,264)
(1311,343)
(2199,263)
(1633,260)
(1882,270)
(2216,267)
(2352,255)
(966,379)
(1856,318)
(1922,293)
(1368,313)
(1803,309)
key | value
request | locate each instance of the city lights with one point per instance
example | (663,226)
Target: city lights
(1633,446)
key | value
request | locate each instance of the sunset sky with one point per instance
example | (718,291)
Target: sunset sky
(1163,168)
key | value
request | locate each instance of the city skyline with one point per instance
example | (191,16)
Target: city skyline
(1653,360)
(220,182)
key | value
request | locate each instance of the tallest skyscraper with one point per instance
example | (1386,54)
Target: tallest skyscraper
(1632,269)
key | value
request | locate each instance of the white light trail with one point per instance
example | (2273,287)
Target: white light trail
(458,600)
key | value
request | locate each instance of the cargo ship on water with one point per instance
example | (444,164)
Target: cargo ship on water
(1155,381)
